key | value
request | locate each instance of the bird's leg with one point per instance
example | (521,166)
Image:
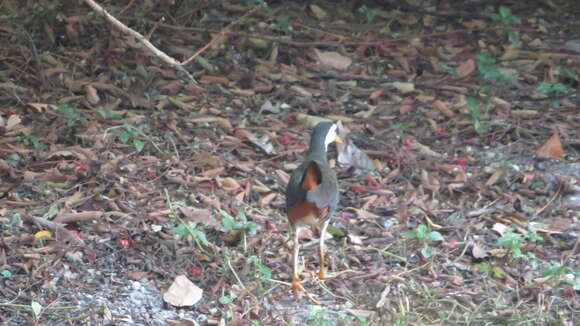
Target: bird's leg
(296,286)
(322,273)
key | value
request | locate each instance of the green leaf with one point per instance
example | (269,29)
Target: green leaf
(138,144)
(472,103)
(422,231)
(265,271)
(124,137)
(36,308)
(228,223)
(504,12)
(180,230)
(410,234)
(514,37)
(427,252)
(225,300)
(200,235)
(434,235)
(251,227)
(109,114)
(494,17)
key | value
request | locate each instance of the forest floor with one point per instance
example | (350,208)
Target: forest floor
(459,181)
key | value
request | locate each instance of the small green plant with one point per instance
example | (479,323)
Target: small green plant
(506,17)
(6,273)
(71,116)
(477,110)
(129,135)
(282,23)
(552,91)
(36,309)
(240,223)
(560,273)
(424,236)
(109,114)
(513,241)
(319,317)
(263,272)
(225,299)
(369,13)
(400,126)
(191,228)
(31,140)
(492,75)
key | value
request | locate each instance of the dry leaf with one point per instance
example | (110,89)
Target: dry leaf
(222,122)
(332,59)
(182,292)
(478,252)
(466,68)
(309,120)
(91,95)
(404,87)
(13,121)
(552,148)
(318,12)
(350,155)
(264,143)
(496,175)
(429,181)
(444,109)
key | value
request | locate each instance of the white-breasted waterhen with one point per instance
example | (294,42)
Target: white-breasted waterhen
(312,198)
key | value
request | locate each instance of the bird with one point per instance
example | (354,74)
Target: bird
(312,196)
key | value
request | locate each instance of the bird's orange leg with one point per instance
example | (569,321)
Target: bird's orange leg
(296,286)
(322,273)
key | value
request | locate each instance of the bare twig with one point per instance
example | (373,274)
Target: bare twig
(160,54)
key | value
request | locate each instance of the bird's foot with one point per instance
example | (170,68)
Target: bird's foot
(296,287)
(323,276)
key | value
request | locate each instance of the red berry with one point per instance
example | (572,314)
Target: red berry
(123,243)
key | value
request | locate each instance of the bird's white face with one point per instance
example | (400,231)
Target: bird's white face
(331,136)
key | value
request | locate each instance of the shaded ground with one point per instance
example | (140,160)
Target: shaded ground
(470,113)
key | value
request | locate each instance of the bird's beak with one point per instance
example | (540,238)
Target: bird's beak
(338,140)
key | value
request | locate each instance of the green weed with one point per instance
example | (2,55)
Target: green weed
(552,91)
(513,241)
(505,17)
(129,135)
(70,115)
(424,236)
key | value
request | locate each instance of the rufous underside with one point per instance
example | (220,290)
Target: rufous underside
(305,212)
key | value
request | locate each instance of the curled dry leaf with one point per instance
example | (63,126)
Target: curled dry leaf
(13,122)
(222,122)
(182,292)
(228,183)
(91,95)
(552,148)
(309,120)
(444,109)
(197,215)
(332,59)
(415,145)
(466,68)
(404,87)
(429,181)
(478,252)
(264,143)
(350,155)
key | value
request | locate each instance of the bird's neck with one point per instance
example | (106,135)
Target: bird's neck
(317,149)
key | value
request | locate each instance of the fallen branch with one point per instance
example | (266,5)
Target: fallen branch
(160,54)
